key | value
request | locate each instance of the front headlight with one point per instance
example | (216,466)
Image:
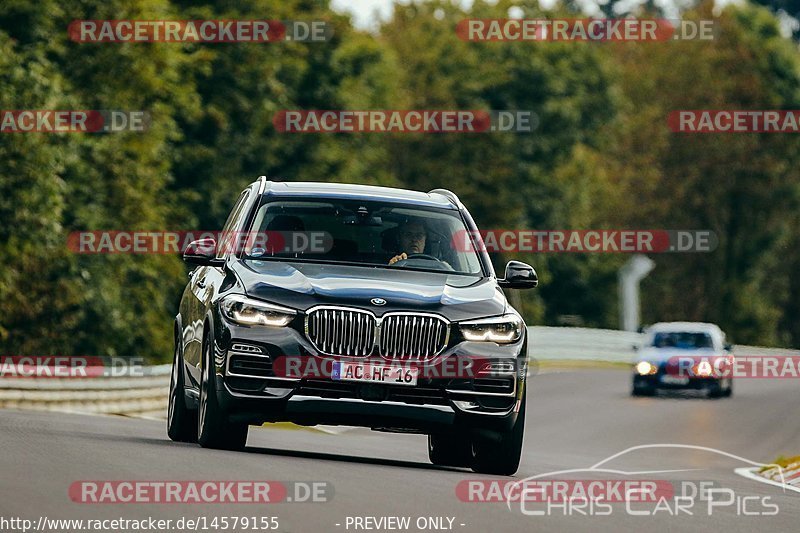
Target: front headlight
(644,368)
(248,312)
(703,369)
(502,330)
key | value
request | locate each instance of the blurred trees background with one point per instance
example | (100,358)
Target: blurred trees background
(602,157)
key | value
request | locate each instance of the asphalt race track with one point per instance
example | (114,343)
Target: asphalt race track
(575,419)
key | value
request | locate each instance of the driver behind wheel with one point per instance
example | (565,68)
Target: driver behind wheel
(412,238)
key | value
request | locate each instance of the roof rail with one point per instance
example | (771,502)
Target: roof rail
(262,184)
(450,195)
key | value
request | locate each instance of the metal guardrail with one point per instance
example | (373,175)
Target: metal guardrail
(581,344)
(141,395)
(146,394)
(584,344)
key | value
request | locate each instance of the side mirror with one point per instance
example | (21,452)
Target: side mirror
(728,347)
(202,252)
(519,276)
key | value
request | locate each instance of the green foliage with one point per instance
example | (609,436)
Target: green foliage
(601,157)
(32,198)
(744,187)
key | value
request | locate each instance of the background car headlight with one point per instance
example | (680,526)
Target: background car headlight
(248,312)
(502,329)
(644,368)
(703,369)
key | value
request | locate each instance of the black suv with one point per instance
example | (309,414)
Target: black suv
(392,319)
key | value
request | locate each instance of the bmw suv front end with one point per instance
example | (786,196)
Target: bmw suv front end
(392,325)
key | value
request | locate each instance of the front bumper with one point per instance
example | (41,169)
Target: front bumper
(249,389)
(661,380)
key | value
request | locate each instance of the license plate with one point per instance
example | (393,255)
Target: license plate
(674,380)
(391,375)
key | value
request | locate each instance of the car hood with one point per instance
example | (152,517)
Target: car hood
(660,355)
(303,285)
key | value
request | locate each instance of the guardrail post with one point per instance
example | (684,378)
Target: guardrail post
(631,273)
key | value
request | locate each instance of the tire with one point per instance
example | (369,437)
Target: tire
(715,390)
(213,428)
(450,449)
(729,391)
(643,391)
(181,421)
(501,458)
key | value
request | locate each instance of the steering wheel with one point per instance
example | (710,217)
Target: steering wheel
(404,262)
(420,256)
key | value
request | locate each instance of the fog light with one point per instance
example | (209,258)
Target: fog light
(246,348)
(466,405)
(503,367)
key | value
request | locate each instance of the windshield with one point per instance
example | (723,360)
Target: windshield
(682,340)
(378,234)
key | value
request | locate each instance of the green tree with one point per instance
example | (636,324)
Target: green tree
(744,187)
(509,180)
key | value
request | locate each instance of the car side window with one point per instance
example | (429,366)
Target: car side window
(231,225)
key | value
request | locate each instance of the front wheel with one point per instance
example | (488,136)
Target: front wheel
(729,391)
(214,430)
(501,458)
(181,422)
(642,389)
(719,390)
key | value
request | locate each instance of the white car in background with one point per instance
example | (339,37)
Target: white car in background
(683,355)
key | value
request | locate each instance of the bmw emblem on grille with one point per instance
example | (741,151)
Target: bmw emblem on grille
(378,301)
